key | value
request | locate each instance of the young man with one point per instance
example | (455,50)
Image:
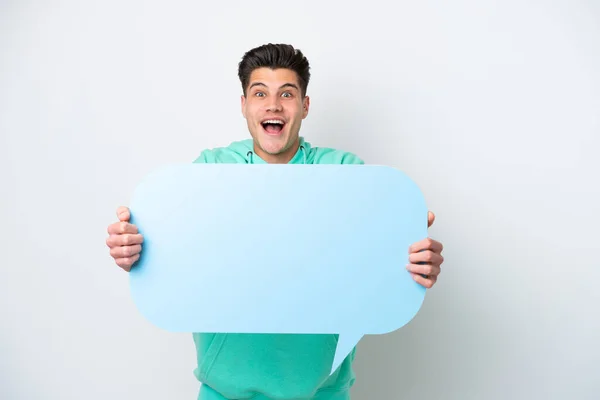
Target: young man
(274,81)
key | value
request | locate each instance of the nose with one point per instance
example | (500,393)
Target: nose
(274,104)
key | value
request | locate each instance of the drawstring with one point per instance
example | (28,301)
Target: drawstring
(251,153)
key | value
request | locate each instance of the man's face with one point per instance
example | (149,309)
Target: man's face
(274,110)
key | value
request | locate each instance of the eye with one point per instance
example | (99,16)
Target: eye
(259,94)
(287,94)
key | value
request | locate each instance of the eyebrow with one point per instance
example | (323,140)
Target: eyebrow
(281,87)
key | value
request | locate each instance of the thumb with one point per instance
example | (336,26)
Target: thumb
(430,218)
(123,213)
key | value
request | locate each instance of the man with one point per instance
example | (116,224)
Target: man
(274,82)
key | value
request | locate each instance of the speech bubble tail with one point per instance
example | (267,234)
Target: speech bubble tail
(346,343)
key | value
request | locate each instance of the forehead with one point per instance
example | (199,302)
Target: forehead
(273,77)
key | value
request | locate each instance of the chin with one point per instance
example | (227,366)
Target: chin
(273,144)
(273,148)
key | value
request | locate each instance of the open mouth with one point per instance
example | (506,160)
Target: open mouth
(273,126)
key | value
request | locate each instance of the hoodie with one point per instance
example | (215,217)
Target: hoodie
(272,366)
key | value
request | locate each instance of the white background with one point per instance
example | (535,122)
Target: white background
(492,107)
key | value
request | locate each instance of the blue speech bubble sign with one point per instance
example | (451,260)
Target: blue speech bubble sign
(278,249)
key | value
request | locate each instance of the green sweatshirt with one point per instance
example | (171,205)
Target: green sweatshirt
(272,366)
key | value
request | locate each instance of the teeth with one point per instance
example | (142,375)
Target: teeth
(273,121)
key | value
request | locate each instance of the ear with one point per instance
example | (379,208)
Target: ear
(243,104)
(305,106)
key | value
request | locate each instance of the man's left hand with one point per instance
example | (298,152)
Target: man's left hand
(425,258)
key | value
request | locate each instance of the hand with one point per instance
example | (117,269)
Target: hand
(425,258)
(124,240)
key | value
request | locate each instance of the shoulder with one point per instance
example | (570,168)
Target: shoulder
(234,153)
(327,155)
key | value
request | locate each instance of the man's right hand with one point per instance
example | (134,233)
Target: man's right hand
(124,241)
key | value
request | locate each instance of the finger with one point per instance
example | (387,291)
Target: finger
(127,263)
(426,244)
(430,218)
(125,251)
(426,256)
(126,239)
(427,282)
(123,213)
(424,269)
(119,228)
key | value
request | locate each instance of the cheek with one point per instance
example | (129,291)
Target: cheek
(295,112)
(251,113)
